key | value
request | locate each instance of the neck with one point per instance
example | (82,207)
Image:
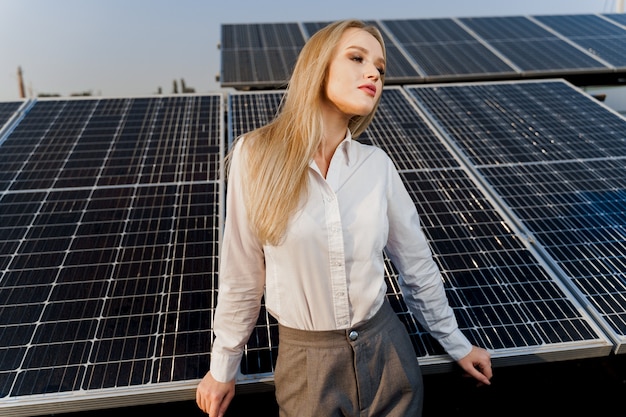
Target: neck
(335,129)
(327,148)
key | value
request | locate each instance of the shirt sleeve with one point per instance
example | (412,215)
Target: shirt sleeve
(241,280)
(420,279)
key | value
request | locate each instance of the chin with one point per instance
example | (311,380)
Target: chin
(365,111)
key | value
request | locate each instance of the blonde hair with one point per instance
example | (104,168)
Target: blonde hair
(278,154)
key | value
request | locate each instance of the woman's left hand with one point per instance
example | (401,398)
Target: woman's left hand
(477,364)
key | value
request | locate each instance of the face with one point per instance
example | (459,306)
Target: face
(354,77)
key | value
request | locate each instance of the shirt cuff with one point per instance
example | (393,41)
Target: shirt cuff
(456,344)
(224,368)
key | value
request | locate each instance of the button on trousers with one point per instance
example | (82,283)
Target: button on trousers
(366,371)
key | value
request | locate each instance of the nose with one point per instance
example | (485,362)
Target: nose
(372,72)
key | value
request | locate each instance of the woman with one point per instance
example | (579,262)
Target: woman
(309,213)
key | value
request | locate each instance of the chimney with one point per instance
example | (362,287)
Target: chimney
(20,81)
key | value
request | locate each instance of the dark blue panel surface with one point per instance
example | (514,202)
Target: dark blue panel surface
(557,160)
(600,37)
(529,46)
(261,54)
(441,47)
(109,236)
(8,109)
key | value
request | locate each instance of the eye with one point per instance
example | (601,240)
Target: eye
(381,70)
(357,58)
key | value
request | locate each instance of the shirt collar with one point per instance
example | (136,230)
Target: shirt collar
(347,147)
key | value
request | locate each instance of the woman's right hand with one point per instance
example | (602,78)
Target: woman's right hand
(213,397)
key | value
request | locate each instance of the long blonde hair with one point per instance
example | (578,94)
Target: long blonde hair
(278,154)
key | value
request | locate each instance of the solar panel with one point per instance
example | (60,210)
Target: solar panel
(441,48)
(556,159)
(7,109)
(109,235)
(619,18)
(529,46)
(505,298)
(111,212)
(596,35)
(579,47)
(8,115)
(576,210)
(260,55)
(251,110)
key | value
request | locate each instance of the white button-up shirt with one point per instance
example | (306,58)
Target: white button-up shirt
(328,272)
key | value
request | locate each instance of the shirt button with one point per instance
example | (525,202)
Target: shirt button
(353,335)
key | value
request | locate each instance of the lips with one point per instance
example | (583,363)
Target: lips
(370,89)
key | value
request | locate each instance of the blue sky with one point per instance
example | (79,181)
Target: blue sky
(132,47)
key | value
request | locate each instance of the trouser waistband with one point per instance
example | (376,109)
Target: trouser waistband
(335,337)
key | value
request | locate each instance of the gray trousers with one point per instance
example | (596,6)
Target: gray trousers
(370,370)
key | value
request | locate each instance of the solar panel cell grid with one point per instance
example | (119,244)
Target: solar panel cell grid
(425,31)
(495,127)
(529,46)
(570,197)
(596,35)
(248,111)
(405,136)
(484,272)
(111,216)
(619,18)
(442,47)
(7,110)
(582,26)
(98,278)
(260,54)
(551,56)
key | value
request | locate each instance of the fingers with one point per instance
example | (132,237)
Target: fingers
(212,407)
(486,370)
(219,405)
(482,373)
(224,404)
(477,364)
(202,400)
